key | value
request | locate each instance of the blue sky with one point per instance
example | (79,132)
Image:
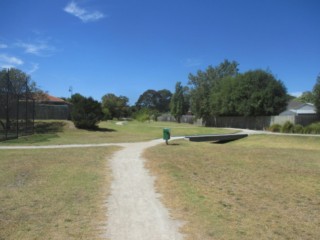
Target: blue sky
(126,47)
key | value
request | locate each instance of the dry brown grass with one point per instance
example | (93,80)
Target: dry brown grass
(53,194)
(261,187)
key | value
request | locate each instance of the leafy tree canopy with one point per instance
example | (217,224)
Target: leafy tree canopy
(114,106)
(204,82)
(260,94)
(179,104)
(223,91)
(306,97)
(19,83)
(155,100)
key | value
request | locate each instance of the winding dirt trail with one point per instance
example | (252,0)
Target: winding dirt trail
(134,209)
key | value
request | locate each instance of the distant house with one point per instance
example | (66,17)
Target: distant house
(296,108)
(50,107)
(48,99)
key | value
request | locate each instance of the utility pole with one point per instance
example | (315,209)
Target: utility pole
(71,91)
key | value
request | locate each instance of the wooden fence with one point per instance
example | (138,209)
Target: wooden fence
(256,123)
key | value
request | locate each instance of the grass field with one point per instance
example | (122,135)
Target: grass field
(60,193)
(53,194)
(64,132)
(260,187)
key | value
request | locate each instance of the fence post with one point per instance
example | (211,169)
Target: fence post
(17,118)
(33,113)
(26,125)
(7,107)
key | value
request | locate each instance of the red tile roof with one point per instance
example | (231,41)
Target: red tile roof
(48,98)
(54,99)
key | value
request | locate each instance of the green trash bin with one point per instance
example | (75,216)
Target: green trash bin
(166,134)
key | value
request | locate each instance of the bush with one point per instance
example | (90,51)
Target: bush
(287,127)
(297,128)
(313,128)
(86,112)
(142,115)
(146,114)
(274,128)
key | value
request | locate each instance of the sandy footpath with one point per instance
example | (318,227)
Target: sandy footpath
(134,209)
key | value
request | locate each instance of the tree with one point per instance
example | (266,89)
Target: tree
(260,94)
(164,100)
(86,112)
(204,83)
(20,83)
(155,100)
(306,97)
(224,97)
(222,91)
(114,106)
(149,99)
(316,93)
(15,87)
(178,105)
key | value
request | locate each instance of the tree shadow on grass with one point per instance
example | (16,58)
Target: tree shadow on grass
(48,127)
(99,129)
(173,144)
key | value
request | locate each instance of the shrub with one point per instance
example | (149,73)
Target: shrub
(274,128)
(146,114)
(142,115)
(313,128)
(287,127)
(297,128)
(86,112)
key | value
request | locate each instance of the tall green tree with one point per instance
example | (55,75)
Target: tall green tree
(164,100)
(316,93)
(155,100)
(224,98)
(178,104)
(148,99)
(260,94)
(114,106)
(222,91)
(204,83)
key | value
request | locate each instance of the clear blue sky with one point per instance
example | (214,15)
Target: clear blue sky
(128,46)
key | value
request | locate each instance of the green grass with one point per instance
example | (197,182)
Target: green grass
(53,194)
(260,187)
(63,132)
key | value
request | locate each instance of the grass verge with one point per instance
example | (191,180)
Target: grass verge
(53,194)
(260,187)
(64,132)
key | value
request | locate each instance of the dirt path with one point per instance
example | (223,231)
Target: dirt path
(134,209)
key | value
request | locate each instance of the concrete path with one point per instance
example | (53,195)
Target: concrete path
(134,209)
